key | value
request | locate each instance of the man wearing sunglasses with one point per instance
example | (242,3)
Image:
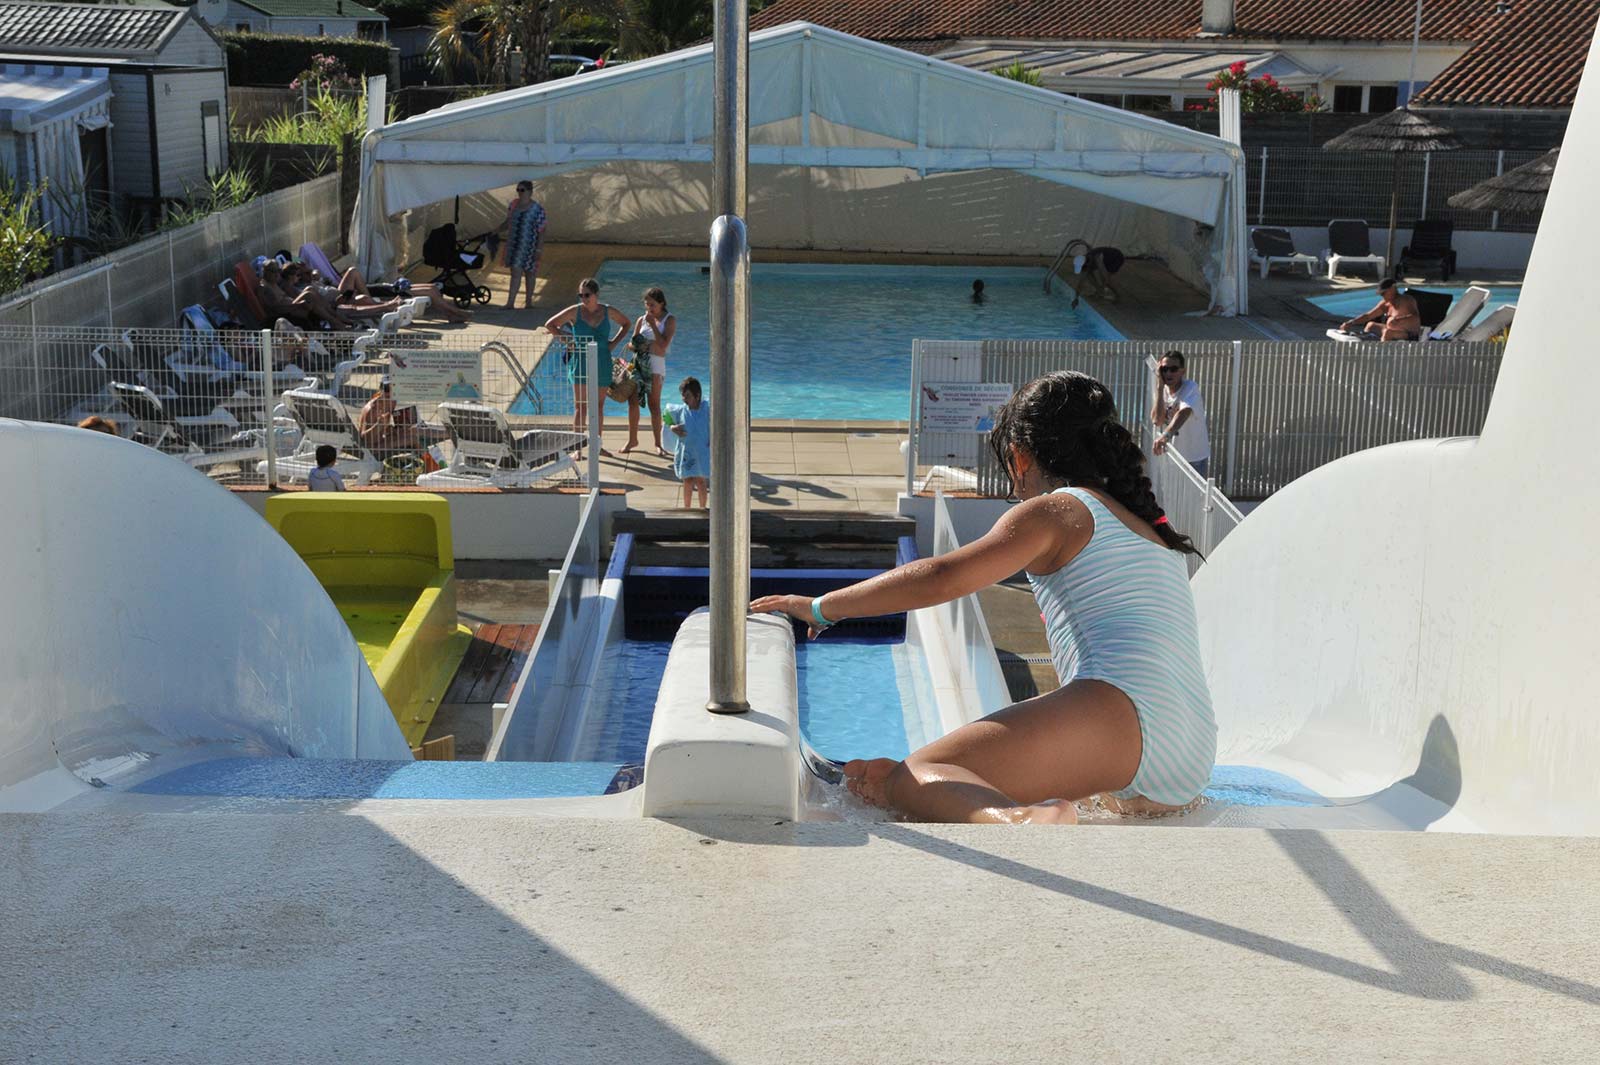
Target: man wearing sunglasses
(1180,414)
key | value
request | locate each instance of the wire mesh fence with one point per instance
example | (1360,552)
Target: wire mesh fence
(247,407)
(147,284)
(1275,409)
(1309,186)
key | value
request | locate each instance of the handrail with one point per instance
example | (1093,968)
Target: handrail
(1056,265)
(525,385)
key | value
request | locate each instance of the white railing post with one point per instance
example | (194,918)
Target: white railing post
(111,317)
(267,407)
(1427,165)
(1235,387)
(1261,200)
(911,424)
(172,277)
(1499,168)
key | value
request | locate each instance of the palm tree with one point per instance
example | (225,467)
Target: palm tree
(480,35)
(651,27)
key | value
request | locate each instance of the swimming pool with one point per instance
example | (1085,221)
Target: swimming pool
(1360,300)
(834,342)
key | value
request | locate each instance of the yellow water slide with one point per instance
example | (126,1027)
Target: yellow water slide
(388,564)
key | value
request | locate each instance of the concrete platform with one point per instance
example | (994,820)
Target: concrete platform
(408,933)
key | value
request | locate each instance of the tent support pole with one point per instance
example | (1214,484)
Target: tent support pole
(730,360)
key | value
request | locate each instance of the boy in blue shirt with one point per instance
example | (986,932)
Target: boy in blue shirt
(691,424)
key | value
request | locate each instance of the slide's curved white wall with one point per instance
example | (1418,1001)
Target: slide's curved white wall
(1434,608)
(148,613)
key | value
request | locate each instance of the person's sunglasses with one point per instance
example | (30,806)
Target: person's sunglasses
(1172,369)
(586,295)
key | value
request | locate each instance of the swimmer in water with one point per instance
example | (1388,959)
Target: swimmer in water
(977,291)
(1132,719)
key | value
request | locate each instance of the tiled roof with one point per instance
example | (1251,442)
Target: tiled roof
(1531,56)
(931,20)
(313,9)
(85,29)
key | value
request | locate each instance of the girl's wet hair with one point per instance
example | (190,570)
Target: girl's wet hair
(690,386)
(655,295)
(1068,422)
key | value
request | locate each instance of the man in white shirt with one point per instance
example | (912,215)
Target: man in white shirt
(1180,414)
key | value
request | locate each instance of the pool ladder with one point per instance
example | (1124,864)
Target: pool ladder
(1060,258)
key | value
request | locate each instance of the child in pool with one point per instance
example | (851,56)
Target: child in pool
(1132,717)
(691,424)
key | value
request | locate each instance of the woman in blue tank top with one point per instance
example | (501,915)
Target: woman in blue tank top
(588,320)
(1132,719)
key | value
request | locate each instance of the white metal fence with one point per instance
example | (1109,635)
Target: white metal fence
(249,407)
(147,284)
(1275,409)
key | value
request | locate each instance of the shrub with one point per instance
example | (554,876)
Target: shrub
(24,242)
(1019,72)
(1257,94)
(271,59)
(324,73)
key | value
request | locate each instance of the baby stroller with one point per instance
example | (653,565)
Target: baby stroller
(453,258)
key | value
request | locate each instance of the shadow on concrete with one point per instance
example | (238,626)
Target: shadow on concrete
(298,938)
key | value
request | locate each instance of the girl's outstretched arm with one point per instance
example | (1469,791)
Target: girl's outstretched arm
(1040,534)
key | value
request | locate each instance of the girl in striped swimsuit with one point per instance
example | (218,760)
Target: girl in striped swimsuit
(1132,719)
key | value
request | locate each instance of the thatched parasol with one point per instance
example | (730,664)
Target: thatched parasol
(1401,130)
(1519,191)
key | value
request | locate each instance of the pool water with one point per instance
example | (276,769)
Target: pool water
(834,342)
(859,698)
(1361,300)
(635,673)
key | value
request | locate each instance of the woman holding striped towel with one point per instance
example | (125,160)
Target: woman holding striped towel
(1132,720)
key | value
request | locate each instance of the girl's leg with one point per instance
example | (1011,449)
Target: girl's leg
(633,424)
(528,281)
(1069,744)
(688,492)
(511,292)
(703,483)
(580,407)
(655,414)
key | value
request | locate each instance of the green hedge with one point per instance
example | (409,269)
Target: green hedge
(273,59)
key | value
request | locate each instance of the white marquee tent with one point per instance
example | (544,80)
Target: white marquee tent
(853,145)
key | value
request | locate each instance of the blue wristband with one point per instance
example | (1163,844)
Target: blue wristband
(816,613)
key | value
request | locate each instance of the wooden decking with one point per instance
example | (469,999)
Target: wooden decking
(492,664)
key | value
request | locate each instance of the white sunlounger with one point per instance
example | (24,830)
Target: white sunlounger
(487,453)
(1274,244)
(1461,314)
(323,419)
(198,439)
(1349,243)
(1492,325)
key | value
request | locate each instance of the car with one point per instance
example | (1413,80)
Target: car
(584,63)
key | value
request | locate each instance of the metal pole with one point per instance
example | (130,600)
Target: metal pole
(911,431)
(730,463)
(1411,75)
(595,413)
(730,360)
(1233,412)
(1499,168)
(267,406)
(730,104)
(1261,201)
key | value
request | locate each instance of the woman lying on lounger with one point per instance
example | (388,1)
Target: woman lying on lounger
(1132,719)
(353,289)
(306,308)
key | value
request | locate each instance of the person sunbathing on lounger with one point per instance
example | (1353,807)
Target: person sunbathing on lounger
(307,308)
(354,290)
(1396,316)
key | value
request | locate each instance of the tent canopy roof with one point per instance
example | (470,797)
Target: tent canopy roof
(818,98)
(31,96)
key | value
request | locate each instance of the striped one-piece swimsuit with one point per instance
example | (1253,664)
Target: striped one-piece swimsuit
(1121,612)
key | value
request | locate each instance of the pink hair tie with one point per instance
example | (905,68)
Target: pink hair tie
(1160,521)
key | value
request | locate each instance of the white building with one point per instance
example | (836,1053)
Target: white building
(299,18)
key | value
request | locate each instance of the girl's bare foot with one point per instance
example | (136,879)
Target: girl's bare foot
(1049,812)
(630,446)
(868,778)
(663,453)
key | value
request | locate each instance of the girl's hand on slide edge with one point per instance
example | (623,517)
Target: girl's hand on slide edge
(796,606)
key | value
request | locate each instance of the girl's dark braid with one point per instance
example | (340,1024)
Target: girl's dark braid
(1068,422)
